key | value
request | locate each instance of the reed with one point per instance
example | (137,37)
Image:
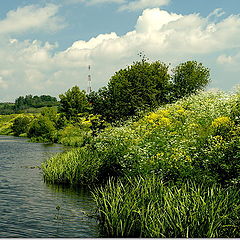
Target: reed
(77,166)
(145,207)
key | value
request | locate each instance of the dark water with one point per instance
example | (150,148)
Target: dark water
(28,205)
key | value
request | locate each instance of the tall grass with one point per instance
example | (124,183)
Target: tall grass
(145,207)
(77,166)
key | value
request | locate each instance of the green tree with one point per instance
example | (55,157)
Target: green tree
(100,102)
(140,86)
(42,129)
(73,102)
(188,78)
(21,125)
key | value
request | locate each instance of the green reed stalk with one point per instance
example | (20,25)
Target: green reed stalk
(147,208)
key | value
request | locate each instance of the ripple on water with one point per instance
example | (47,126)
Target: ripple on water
(28,205)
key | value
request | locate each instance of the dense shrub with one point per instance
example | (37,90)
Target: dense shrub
(146,85)
(6,122)
(21,125)
(188,154)
(176,142)
(73,102)
(42,129)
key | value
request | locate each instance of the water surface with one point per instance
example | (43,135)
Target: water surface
(28,206)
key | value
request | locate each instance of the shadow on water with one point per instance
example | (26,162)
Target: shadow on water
(31,208)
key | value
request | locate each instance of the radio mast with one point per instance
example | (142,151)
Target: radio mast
(89,88)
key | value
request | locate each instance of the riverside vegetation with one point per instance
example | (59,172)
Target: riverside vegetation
(167,166)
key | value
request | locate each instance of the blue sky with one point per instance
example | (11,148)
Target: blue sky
(46,46)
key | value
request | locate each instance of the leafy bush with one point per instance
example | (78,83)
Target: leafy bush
(176,142)
(72,136)
(6,122)
(188,78)
(42,129)
(73,102)
(21,125)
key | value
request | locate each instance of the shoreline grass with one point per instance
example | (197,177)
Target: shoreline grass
(145,207)
(174,173)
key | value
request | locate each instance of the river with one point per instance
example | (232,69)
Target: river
(29,207)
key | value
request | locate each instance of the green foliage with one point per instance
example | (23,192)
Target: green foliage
(100,102)
(77,166)
(235,110)
(176,142)
(21,125)
(188,155)
(6,122)
(22,103)
(73,102)
(42,129)
(6,108)
(221,155)
(145,86)
(139,86)
(188,78)
(145,207)
(73,135)
(52,114)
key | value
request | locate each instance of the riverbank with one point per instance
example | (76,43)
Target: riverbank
(193,140)
(48,127)
(186,150)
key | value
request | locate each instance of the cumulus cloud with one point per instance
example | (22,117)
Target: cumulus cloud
(31,18)
(143,4)
(30,66)
(230,62)
(223,59)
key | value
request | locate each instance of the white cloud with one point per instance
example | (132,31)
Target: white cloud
(143,4)
(230,62)
(35,67)
(223,59)
(3,84)
(153,20)
(31,18)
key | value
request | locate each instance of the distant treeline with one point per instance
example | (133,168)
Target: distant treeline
(23,104)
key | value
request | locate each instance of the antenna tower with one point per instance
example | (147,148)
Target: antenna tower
(89,89)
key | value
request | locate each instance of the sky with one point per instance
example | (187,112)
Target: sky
(46,46)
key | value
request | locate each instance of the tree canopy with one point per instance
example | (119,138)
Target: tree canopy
(188,78)
(145,85)
(73,102)
(22,103)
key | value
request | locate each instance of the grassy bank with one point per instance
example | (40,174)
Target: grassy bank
(48,126)
(196,138)
(177,170)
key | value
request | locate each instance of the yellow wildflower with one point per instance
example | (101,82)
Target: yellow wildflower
(221,121)
(164,112)
(165,121)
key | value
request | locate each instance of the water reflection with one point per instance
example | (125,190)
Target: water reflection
(28,206)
